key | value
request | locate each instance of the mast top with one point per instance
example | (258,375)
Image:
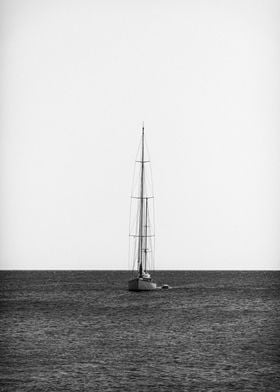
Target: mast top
(143,128)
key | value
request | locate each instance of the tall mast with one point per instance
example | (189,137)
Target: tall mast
(140,248)
(146,235)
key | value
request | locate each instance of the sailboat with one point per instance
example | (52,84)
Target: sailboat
(141,230)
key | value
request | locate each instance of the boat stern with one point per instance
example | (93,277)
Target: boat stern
(140,284)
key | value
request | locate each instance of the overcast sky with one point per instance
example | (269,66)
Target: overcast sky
(77,80)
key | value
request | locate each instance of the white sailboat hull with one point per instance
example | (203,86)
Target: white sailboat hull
(140,284)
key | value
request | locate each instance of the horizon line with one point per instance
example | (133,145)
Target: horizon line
(129,270)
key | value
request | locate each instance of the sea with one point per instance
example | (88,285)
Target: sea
(84,331)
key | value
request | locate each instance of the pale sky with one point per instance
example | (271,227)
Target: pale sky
(78,77)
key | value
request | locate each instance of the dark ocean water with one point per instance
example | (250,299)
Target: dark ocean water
(83,331)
